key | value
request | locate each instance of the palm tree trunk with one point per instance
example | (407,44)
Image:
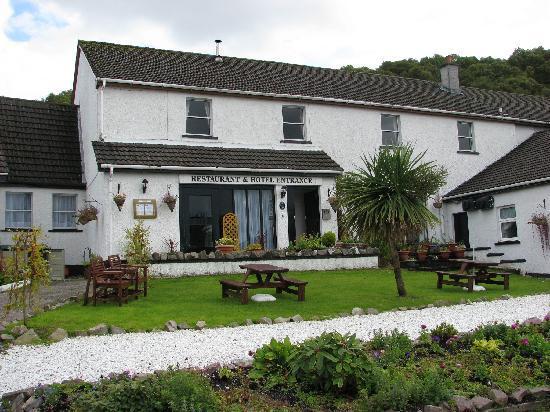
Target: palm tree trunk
(396,264)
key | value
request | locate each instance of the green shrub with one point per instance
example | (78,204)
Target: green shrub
(166,391)
(444,334)
(333,363)
(307,242)
(487,348)
(495,331)
(328,239)
(391,348)
(271,364)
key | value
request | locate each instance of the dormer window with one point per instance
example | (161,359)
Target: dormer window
(293,123)
(198,121)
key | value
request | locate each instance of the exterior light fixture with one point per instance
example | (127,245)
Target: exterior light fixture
(283,192)
(144,185)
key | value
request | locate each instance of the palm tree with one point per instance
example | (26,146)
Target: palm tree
(387,197)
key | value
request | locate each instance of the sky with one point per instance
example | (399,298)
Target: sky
(38,38)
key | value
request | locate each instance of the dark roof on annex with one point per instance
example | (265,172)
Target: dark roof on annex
(112,61)
(187,156)
(39,144)
(526,162)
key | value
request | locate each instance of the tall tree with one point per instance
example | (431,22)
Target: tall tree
(387,197)
(63,97)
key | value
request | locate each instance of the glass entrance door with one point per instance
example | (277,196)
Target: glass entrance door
(254,209)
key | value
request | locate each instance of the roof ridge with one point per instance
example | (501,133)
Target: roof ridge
(38,102)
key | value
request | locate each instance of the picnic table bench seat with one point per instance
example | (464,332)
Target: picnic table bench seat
(300,290)
(233,287)
(468,280)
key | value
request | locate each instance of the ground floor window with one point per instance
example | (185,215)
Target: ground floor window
(203,208)
(507,223)
(18,210)
(63,211)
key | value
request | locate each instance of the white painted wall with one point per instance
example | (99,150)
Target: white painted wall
(74,243)
(484,228)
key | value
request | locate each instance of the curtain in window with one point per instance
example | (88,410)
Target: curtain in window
(254,225)
(268,218)
(239,198)
(64,209)
(18,210)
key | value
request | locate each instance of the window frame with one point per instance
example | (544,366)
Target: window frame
(507,220)
(187,116)
(17,210)
(398,131)
(64,211)
(472,137)
(303,123)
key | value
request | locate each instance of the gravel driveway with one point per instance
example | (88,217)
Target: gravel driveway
(90,357)
(56,292)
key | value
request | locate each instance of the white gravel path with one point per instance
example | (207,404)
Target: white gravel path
(90,357)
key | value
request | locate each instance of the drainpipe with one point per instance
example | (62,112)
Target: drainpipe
(101,89)
(110,243)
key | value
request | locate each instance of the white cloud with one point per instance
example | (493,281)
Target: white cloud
(316,32)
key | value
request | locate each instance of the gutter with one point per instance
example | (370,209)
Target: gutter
(499,188)
(321,99)
(216,169)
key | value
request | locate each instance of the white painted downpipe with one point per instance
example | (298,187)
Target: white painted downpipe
(312,98)
(101,90)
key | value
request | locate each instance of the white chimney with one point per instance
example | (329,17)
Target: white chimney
(449,75)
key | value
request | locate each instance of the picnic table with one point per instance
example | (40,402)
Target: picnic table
(267,276)
(472,272)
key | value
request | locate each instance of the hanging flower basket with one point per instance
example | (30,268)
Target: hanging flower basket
(333,202)
(119,200)
(87,214)
(542,226)
(170,200)
(437,203)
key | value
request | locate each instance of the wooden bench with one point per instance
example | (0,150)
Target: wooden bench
(468,280)
(300,286)
(231,287)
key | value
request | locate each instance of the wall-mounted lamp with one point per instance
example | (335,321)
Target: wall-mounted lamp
(283,192)
(144,185)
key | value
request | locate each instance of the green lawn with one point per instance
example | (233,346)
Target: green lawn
(329,293)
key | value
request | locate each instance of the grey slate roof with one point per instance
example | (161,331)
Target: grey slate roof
(200,70)
(526,162)
(201,156)
(39,144)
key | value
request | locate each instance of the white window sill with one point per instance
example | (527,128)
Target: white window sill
(471,152)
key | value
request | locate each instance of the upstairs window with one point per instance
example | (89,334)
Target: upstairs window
(198,117)
(465,136)
(507,223)
(390,130)
(64,211)
(18,210)
(293,122)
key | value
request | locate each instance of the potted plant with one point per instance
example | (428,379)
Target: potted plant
(170,200)
(541,225)
(437,203)
(444,253)
(452,246)
(422,251)
(172,247)
(333,202)
(87,214)
(404,252)
(225,245)
(459,251)
(255,248)
(119,200)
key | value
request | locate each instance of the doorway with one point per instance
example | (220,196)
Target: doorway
(462,233)
(303,211)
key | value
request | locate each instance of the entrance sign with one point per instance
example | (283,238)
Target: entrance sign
(251,180)
(145,209)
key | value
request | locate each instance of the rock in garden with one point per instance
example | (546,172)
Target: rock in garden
(32,404)
(265,320)
(58,335)
(430,305)
(200,325)
(99,330)
(248,322)
(481,403)
(432,408)
(2,327)
(505,297)
(539,392)
(28,338)
(296,318)
(532,321)
(115,330)
(183,326)
(499,397)
(263,297)
(6,337)
(19,330)
(233,325)
(171,326)
(403,308)
(372,311)
(518,395)
(281,320)
(464,404)
(80,333)
(357,312)
(17,402)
